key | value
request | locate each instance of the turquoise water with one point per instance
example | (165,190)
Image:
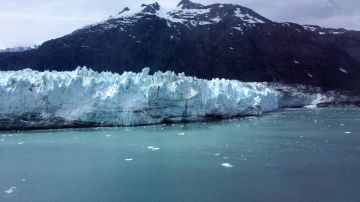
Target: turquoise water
(293,155)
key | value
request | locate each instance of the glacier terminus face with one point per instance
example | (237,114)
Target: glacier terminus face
(32,99)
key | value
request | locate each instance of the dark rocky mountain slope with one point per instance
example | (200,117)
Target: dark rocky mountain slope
(219,40)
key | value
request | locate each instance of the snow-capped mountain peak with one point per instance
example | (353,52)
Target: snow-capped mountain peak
(150,8)
(187,4)
(124,10)
(187,13)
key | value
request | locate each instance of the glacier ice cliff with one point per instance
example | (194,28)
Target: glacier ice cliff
(32,99)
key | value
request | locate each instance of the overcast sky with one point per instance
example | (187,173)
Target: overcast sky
(29,22)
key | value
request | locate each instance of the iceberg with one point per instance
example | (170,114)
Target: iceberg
(80,98)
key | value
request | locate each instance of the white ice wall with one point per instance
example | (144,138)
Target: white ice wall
(137,98)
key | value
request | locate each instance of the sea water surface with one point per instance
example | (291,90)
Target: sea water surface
(291,155)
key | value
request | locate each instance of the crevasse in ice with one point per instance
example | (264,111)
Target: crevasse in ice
(109,99)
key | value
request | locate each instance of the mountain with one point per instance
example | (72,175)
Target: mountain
(218,40)
(16,49)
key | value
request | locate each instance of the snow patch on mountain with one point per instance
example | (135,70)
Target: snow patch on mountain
(323,31)
(246,17)
(343,70)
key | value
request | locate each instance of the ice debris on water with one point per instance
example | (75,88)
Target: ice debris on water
(11,190)
(227,165)
(153,148)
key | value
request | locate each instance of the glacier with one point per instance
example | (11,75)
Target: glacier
(31,99)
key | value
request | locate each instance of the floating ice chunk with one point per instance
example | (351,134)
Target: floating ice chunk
(227,165)
(217,154)
(20,143)
(152,148)
(11,190)
(108,135)
(181,134)
(347,132)
(129,159)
